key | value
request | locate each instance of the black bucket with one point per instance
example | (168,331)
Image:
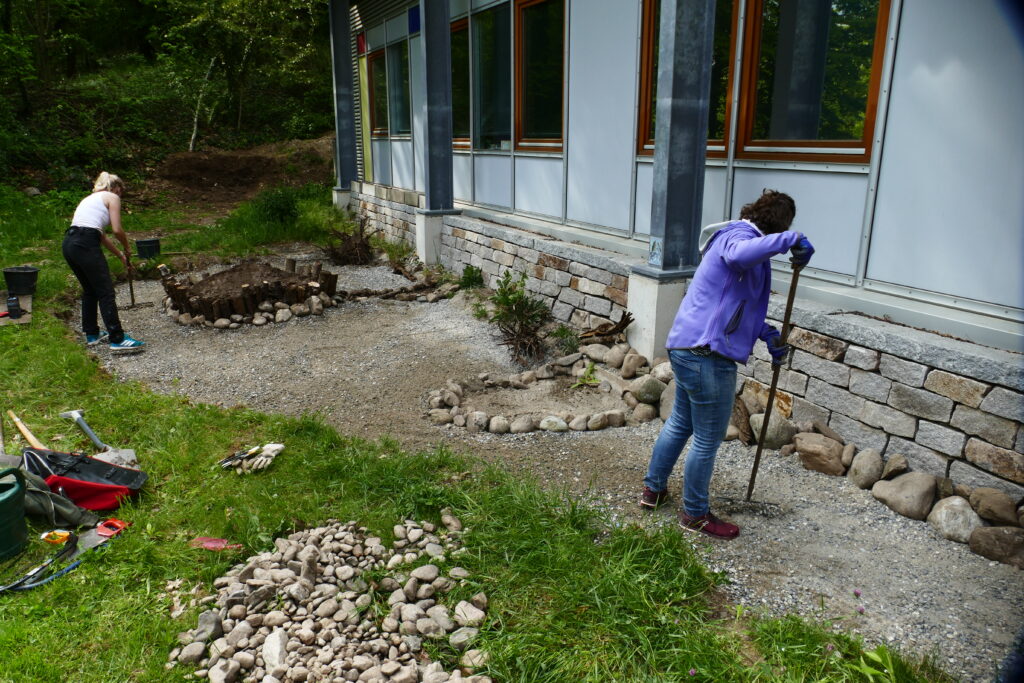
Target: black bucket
(148,248)
(21,279)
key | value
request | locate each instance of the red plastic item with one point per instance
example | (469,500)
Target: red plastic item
(215,544)
(110,527)
(89,495)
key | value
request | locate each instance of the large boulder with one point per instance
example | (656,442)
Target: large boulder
(866,468)
(780,430)
(820,453)
(741,420)
(631,363)
(668,400)
(1000,543)
(954,519)
(553,423)
(994,505)
(615,356)
(647,390)
(663,372)
(910,494)
(595,352)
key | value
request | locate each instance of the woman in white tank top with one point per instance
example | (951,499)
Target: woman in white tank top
(82,252)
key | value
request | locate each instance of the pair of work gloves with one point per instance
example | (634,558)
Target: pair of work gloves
(801,255)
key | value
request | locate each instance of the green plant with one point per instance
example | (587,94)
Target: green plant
(567,339)
(587,379)
(519,317)
(472,278)
(396,252)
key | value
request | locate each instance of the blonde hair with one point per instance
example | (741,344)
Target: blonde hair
(107,181)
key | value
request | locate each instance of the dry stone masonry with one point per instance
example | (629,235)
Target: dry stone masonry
(944,423)
(310,611)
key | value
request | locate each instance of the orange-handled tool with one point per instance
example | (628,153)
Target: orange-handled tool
(32,440)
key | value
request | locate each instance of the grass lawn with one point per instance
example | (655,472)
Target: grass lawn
(571,598)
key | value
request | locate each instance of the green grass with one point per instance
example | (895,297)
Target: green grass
(573,598)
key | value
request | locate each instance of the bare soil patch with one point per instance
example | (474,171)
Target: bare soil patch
(228,282)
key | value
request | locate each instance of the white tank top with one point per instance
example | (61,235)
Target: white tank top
(92,212)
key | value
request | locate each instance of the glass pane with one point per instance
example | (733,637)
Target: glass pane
(398,88)
(492,82)
(460,83)
(719,68)
(814,69)
(543,38)
(378,93)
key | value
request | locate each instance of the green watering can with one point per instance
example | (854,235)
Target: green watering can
(13,532)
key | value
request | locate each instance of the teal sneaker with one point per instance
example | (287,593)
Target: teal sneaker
(128,345)
(94,339)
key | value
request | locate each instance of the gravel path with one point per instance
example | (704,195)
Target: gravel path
(814,539)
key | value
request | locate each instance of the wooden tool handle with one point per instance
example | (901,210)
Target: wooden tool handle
(32,440)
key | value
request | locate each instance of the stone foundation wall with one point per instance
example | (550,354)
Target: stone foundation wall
(389,211)
(583,286)
(944,423)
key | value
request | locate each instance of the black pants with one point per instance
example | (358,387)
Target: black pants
(84,253)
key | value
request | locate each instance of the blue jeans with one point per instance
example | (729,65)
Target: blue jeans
(705,391)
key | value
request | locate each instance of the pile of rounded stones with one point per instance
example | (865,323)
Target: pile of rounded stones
(267,311)
(985,518)
(616,369)
(309,611)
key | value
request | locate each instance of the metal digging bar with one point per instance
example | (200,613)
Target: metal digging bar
(775,381)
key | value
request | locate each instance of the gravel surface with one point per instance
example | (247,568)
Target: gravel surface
(806,544)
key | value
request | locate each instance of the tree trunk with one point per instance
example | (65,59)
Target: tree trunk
(199,102)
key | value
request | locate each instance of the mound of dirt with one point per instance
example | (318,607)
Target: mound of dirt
(215,181)
(228,283)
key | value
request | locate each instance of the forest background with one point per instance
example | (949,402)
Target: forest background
(89,85)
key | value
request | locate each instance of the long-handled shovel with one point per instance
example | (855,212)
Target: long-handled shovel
(775,380)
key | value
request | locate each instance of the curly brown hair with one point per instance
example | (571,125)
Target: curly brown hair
(772,212)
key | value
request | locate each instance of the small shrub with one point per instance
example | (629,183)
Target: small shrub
(351,247)
(472,278)
(279,205)
(587,379)
(566,339)
(519,317)
(397,252)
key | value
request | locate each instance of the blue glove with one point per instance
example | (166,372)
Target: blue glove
(776,348)
(802,252)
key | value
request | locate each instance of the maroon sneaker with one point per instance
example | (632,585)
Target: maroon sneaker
(709,525)
(652,500)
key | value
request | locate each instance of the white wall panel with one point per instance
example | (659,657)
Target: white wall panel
(418,85)
(539,185)
(493,180)
(714,196)
(829,209)
(381,153)
(462,166)
(949,216)
(401,164)
(644,192)
(602,83)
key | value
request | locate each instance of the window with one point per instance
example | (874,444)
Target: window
(398,88)
(460,83)
(722,56)
(540,31)
(492,81)
(813,86)
(378,93)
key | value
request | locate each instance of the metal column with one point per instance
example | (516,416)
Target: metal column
(344,104)
(437,66)
(684,82)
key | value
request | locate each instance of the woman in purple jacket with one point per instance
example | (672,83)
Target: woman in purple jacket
(720,318)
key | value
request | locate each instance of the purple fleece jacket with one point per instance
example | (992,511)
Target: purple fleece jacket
(727,301)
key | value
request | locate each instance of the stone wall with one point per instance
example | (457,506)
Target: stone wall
(945,423)
(583,286)
(390,210)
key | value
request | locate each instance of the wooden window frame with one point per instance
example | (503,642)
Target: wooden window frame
(520,143)
(748,98)
(649,82)
(378,55)
(465,143)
